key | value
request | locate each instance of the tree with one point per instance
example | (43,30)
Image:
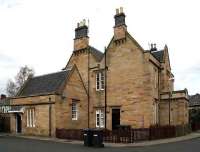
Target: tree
(24,73)
(13,87)
(194,115)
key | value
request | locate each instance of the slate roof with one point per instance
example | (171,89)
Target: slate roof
(5,101)
(194,100)
(96,53)
(158,55)
(44,84)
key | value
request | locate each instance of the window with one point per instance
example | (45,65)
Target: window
(74,110)
(30,116)
(100,81)
(155,113)
(100,118)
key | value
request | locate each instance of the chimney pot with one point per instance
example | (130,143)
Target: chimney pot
(119,17)
(3,96)
(153,47)
(84,22)
(121,9)
(117,11)
(81,23)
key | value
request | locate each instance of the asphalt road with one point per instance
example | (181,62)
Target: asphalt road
(14,144)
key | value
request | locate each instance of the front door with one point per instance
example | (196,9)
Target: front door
(18,123)
(115,118)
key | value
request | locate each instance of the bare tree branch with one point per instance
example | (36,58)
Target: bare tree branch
(13,87)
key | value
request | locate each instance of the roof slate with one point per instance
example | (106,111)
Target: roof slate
(158,55)
(44,84)
(194,100)
(5,101)
(97,54)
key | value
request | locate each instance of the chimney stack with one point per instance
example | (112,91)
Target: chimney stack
(153,47)
(120,27)
(81,40)
(3,96)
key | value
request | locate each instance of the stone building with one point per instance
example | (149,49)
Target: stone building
(47,100)
(194,101)
(4,113)
(125,85)
(139,83)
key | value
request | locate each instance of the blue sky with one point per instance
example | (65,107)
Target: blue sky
(39,33)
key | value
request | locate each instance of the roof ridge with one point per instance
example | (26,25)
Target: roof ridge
(47,83)
(51,73)
(156,51)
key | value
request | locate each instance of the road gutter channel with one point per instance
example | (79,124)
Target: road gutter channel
(137,144)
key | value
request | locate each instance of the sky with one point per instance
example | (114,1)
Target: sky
(40,33)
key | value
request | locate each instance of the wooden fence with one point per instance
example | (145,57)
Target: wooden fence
(129,135)
(70,134)
(126,136)
(195,126)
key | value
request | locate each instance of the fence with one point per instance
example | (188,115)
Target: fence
(71,134)
(129,135)
(195,126)
(126,136)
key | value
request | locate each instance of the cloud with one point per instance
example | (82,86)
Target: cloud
(188,78)
(39,33)
(8,3)
(8,68)
(2,87)
(7,62)
(5,58)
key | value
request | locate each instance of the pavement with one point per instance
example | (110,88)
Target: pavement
(136,144)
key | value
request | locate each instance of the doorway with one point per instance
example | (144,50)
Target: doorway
(5,124)
(18,123)
(115,118)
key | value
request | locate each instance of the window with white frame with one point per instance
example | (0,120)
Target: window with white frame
(30,117)
(100,118)
(74,110)
(100,81)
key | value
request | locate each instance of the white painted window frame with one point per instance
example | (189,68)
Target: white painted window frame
(74,110)
(33,117)
(100,123)
(30,118)
(27,118)
(100,81)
